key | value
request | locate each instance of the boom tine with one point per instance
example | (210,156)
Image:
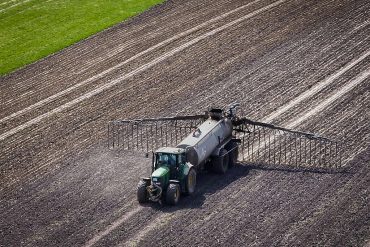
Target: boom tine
(108,135)
(285,148)
(166,138)
(265,142)
(171,135)
(313,153)
(274,144)
(279,148)
(137,136)
(248,152)
(253,134)
(243,142)
(132,136)
(296,151)
(141,139)
(322,153)
(269,148)
(299,151)
(162,135)
(176,132)
(331,154)
(147,138)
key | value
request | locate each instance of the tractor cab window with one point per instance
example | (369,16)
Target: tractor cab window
(181,158)
(165,159)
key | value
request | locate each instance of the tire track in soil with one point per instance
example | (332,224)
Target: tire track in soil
(112,227)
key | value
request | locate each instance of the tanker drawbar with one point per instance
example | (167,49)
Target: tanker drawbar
(214,141)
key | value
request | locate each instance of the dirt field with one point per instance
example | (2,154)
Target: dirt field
(290,62)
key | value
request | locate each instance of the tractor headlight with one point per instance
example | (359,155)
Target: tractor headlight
(156,181)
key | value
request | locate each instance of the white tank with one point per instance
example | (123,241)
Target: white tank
(204,140)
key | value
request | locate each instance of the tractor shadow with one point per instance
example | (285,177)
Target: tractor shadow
(209,183)
(292,169)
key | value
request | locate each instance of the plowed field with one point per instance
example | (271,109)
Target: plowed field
(296,63)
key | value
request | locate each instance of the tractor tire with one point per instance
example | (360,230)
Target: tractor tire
(191,182)
(142,193)
(173,194)
(221,162)
(233,155)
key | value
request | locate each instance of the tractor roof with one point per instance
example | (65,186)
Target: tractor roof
(171,150)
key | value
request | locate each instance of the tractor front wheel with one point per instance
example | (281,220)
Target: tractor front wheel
(142,193)
(173,194)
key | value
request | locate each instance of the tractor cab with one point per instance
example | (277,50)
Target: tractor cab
(169,158)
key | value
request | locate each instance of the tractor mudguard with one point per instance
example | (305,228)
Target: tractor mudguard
(187,167)
(146,180)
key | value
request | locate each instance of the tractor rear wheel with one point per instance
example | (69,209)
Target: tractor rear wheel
(173,194)
(221,162)
(191,181)
(142,193)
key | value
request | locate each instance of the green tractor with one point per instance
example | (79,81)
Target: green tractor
(171,177)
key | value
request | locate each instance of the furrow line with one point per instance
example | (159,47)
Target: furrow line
(317,88)
(113,226)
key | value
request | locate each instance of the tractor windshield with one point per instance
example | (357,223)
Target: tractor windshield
(166,159)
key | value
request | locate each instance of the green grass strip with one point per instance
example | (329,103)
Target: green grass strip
(33,29)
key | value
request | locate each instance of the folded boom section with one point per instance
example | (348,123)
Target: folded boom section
(151,133)
(268,144)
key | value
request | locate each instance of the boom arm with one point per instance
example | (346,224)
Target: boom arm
(259,142)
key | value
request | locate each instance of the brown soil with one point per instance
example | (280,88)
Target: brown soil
(61,186)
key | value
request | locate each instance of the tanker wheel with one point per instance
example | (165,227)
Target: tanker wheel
(233,155)
(221,162)
(173,194)
(142,193)
(191,182)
